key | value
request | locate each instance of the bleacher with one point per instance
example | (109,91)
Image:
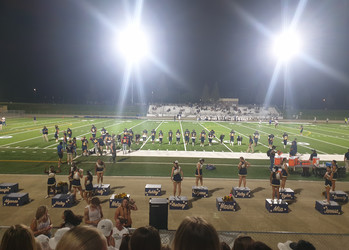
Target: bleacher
(215,111)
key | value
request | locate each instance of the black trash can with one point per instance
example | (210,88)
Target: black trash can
(158,213)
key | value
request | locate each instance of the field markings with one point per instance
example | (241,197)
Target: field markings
(35,124)
(312,131)
(185,146)
(282,138)
(222,143)
(148,136)
(241,134)
(311,138)
(36,128)
(41,136)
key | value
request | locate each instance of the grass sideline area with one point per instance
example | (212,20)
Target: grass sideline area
(23,151)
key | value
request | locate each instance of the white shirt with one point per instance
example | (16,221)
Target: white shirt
(117,235)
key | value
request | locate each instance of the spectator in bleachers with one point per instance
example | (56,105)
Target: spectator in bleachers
(18,237)
(145,238)
(58,236)
(82,238)
(118,232)
(70,219)
(242,242)
(195,233)
(106,228)
(93,213)
(41,224)
(124,212)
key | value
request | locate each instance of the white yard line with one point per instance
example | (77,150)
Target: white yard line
(282,138)
(241,134)
(149,136)
(41,136)
(312,131)
(180,124)
(35,124)
(209,131)
(32,130)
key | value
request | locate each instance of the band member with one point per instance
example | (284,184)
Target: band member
(161,136)
(270,140)
(301,128)
(193,137)
(177,178)
(51,181)
(103,132)
(74,146)
(285,138)
(256,138)
(94,141)
(124,144)
(186,136)
(232,135)
(334,169)
(88,187)
(239,140)
(69,133)
(138,138)
(284,173)
(170,136)
(178,136)
(275,176)
(100,145)
(210,138)
(107,141)
(250,145)
(276,122)
(118,138)
(153,133)
(328,183)
(100,168)
(113,150)
(130,134)
(45,134)
(93,131)
(56,133)
(65,140)
(242,167)
(60,153)
(70,150)
(144,135)
(221,138)
(198,172)
(202,138)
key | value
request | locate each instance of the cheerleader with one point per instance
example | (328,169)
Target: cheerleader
(100,167)
(334,169)
(51,181)
(77,174)
(243,165)
(328,183)
(88,187)
(275,182)
(198,172)
(177,178)
(284,173)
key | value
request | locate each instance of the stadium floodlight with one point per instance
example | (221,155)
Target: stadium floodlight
(133,43)
(287,45)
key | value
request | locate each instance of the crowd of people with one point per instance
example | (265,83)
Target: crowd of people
(194,233)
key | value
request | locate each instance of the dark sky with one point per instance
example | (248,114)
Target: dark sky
(63,48)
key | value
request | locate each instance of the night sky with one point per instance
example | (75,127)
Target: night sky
(66,50)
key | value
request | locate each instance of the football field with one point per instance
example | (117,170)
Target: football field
(23,149)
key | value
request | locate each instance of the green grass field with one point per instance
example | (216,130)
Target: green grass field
(23,150)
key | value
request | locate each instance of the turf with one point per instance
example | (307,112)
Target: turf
(23,151)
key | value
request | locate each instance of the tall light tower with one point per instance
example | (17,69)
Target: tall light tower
(134,46)
(287,45)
